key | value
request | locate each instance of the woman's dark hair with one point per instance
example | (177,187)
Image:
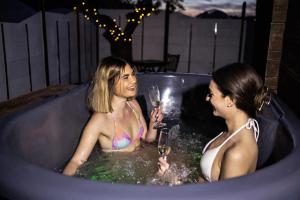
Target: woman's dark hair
(242,83)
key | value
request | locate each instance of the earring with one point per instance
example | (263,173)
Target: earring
(228,106)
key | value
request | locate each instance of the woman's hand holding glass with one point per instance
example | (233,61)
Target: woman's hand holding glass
(163,165)
(156,116)
(164,148)
(154,96)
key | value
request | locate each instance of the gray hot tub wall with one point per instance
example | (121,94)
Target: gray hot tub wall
(36,142)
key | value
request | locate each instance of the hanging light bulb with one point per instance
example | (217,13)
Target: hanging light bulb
(216,28)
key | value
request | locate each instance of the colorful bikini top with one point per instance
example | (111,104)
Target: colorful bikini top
(121,138)
(208,158)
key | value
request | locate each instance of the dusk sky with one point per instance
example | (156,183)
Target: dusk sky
(231,7)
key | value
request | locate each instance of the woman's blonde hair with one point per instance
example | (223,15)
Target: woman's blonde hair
(102,87)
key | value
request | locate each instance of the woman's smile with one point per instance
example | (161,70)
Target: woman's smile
(131,88)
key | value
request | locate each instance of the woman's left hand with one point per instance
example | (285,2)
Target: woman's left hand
(163,165)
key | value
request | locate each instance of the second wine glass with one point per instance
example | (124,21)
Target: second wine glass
(154,96)
(164,147)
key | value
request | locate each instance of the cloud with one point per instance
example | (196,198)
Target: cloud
(193,8)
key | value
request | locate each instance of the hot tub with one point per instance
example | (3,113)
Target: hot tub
(37,142)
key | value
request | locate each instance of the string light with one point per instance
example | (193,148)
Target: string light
(112,27)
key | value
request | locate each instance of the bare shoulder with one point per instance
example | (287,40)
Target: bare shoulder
(97,121)
(235,153)
(243,149)
(98,117)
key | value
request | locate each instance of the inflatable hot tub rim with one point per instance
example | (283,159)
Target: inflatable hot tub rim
(20,179)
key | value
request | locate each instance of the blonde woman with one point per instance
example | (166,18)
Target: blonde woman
(117,122)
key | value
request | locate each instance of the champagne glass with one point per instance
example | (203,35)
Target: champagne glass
(164,147)
(154,96)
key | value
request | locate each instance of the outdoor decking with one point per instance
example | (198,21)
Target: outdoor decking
(23,101)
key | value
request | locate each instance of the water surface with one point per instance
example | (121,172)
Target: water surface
(140,166)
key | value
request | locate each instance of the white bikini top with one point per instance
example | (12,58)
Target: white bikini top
(209,156)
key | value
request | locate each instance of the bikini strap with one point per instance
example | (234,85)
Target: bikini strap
(115,124)
(137,116)
(207,145)
(252,123)
(114,117)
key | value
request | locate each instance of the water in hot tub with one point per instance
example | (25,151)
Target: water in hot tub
(140,166)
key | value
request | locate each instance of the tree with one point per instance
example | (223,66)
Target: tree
(171,6)
(120,40)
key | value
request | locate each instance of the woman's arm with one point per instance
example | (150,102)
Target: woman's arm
(87,142)
(235,163)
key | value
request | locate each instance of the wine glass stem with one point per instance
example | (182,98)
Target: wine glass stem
(155,108)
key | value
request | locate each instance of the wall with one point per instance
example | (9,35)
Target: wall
(71,53)
(289,73)
(183,31)
(23,57)
(277,29)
